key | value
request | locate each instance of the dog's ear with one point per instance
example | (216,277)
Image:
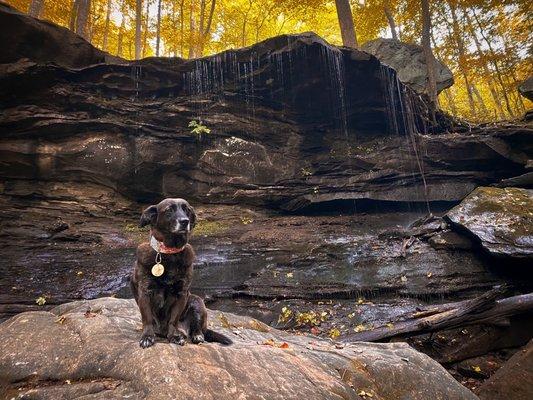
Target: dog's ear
(192,216)
(149,216)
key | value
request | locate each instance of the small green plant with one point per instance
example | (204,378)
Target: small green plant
(198,129)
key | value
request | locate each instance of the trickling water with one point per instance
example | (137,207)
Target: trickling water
(333,64)
(401,116)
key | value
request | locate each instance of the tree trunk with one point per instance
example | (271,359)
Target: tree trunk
(344,14)
(483,309)
(428,55)
(73,15)
(182,28)
(204,32)
(390,19)
(480,100)
(486,70)
(158,29)
(36,8)
(494,63)
(121,29)
(82,17)
(145,34)
(447,92)
(138,30)
(106,28)
(462,57)
(192,30)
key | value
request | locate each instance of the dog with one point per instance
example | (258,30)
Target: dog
(162,277)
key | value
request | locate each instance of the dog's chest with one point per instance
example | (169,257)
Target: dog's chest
(173,281)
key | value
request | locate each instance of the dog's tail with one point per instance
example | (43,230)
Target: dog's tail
(212,336)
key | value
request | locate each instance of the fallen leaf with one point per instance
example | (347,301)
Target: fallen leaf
(284,345)
(315,330)
(360,328)
(334,333)
(403,278)
(290,274)
(224,321)
(79,273)
(476,368)
(60,320)
(362,393)
(429,275)
(390,325)
(41,300)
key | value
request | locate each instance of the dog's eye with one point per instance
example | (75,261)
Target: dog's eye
(184,207)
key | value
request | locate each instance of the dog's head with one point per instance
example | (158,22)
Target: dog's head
(172,221)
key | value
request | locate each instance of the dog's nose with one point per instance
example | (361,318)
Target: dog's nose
(184,222)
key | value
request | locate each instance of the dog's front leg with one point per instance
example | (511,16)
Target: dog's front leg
(148,335)
(175,333)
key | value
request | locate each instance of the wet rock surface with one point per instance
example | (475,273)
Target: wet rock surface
(500,219)
(294,122)
(409,62)
(90,348)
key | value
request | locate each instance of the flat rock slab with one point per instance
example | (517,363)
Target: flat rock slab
(501,219)
(90,348)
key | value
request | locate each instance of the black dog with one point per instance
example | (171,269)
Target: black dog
(162,276)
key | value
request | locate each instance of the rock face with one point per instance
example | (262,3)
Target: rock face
(41,42)
(526,88)
(409,62)
(90,348)
(293,122)
(514,380)
(500,219)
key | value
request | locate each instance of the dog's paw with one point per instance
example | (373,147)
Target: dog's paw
(198,338)
(178,338)
(147,341)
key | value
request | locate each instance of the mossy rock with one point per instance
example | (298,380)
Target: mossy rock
(501,219)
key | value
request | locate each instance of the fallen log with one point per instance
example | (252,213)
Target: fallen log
(484,309)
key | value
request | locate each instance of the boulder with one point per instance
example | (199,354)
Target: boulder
(526,88)
(514,380)
(90,348)
(500,219)
(409,62)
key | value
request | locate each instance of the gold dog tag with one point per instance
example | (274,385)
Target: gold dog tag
(158,269)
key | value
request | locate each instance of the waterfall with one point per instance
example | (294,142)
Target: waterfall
(334,71)
(402,119)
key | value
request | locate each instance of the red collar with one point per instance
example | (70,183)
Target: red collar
(161,248)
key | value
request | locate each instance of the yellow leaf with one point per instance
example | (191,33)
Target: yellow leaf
(360,328)
(60,320)
(290,275)
(334,333)
(429,275)
(41,300)
(390,325)
(476,368)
